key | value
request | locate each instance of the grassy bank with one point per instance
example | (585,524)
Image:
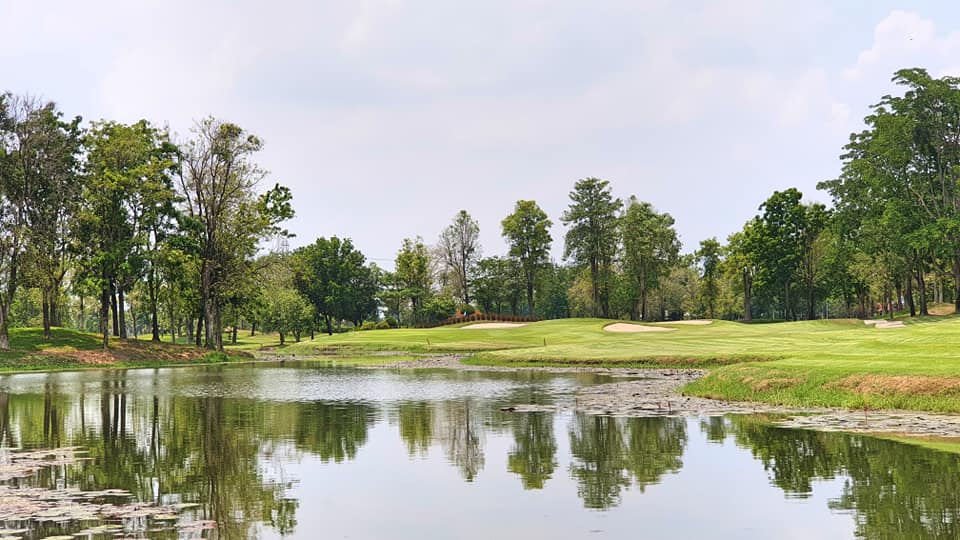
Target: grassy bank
(69,349)
(812,363)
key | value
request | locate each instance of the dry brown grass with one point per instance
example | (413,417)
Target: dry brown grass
(770,383)
(886,385)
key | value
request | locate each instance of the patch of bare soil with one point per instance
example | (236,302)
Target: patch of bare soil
(630,328)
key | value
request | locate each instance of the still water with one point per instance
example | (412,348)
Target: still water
(309,451)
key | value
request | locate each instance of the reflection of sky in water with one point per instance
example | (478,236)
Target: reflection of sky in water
(428,454)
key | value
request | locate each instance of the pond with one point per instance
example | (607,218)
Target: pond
(309,450)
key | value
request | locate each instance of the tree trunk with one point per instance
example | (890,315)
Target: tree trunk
(233,336)
(282,338)
(253,329)
(811,297)
(46,314)
(189,328)
(4,330)
(154,315)
(922,293)
(908,293)
(956,282)
(121,310)
(747,292)
(326,318)
(105,305)
(198,335)
(113,311)
(530,295)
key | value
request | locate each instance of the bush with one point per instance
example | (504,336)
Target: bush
(391,322)
(368,325)
(383,325)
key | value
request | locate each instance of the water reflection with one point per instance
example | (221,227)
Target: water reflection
(239,450)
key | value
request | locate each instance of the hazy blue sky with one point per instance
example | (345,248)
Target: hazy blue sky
(385,118)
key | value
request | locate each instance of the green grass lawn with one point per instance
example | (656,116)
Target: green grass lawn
(811,363)
(70,349)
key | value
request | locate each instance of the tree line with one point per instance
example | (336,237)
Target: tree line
(119,228)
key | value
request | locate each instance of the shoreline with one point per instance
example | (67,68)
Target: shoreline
(656,392)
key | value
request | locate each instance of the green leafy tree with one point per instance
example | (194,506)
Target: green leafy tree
(527,231)
(332,275)
(592,237)
(412,272)
(460,249)
(218,183)
(650,248)
(708,256)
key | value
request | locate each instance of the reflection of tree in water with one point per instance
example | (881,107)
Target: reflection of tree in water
(205,450)
(534,452)
(715,428)
(415,419)
(655,447)
(610,452)
(893,490)
(334,431)
(460,432)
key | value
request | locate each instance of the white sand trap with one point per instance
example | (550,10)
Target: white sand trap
(692,322)
(890,324)
(628,327)
(493,325)
(883,323)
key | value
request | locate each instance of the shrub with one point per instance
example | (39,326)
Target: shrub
(368,325)
(383,325)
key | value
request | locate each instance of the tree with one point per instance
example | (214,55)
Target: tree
(332,275)
(48,161)
(460,249)
(741,263)
(12,216)
(592,238)
(126,214)
(708,256)
(527,231)
(650,247)
(218,179)
(412,272)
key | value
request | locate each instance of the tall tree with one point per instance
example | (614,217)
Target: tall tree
(460,248)
(218,182)
(412,265)
(332,275)
(48,161)
(708,257)
(593,237)
(13,203)
(650,247)
(527,231)
(741,263)
(126,213)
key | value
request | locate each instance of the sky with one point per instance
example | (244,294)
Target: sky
(385,118)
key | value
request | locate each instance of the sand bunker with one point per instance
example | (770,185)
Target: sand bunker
(628,327)
(692,322)
(881,323)
(492,325)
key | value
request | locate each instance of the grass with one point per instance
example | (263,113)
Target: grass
(70,350)
(841,363)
